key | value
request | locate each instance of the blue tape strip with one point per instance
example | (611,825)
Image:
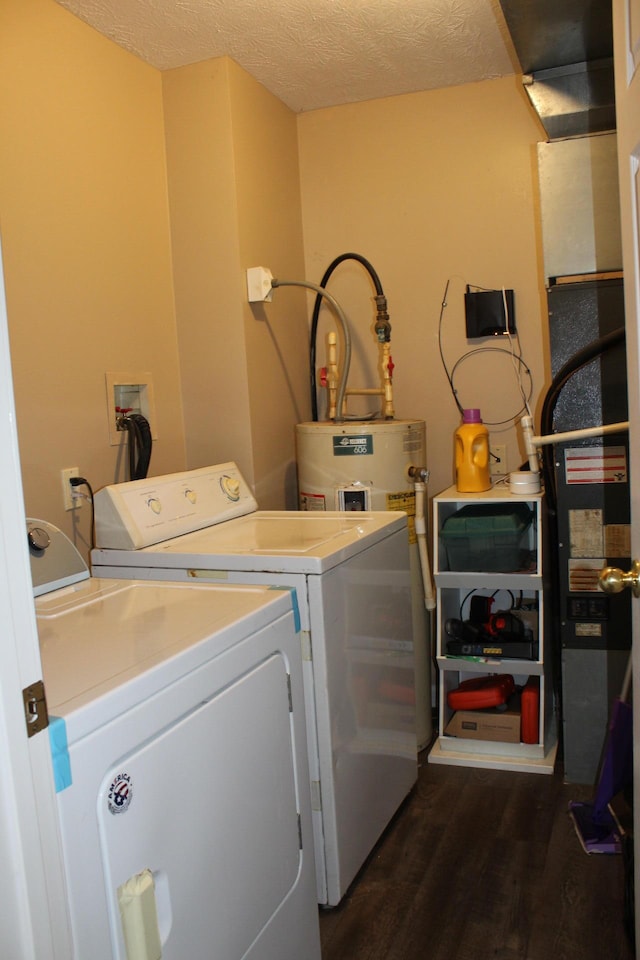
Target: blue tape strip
(294,604)
(60,753)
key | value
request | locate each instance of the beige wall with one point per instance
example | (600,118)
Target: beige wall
(431,188)
(270,224)
(235,203)
(113,177)
(132,202)
(87,254)
(204,229)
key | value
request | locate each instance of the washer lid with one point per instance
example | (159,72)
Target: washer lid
(108,644)
(267,540)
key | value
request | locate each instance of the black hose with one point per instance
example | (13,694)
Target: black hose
(316,316)
(140,445)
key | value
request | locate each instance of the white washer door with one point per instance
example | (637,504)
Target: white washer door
(211,809)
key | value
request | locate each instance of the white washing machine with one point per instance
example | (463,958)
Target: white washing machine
(179,752)
(351,575)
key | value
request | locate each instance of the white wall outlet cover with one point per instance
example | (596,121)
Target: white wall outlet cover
(70,502)
(259,286)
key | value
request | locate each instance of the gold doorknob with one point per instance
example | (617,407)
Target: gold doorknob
(614,580)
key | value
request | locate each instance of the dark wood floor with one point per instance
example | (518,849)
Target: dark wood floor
(477,865)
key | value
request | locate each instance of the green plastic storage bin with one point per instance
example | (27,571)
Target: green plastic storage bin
(488,537)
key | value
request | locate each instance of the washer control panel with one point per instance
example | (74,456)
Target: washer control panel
(143,512)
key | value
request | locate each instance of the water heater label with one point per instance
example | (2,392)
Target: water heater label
(312,501)
(353,446)
(405,500)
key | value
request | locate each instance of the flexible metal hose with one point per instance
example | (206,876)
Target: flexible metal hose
(321,292)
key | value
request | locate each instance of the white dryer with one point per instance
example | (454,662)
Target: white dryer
(179,752)
(351,575)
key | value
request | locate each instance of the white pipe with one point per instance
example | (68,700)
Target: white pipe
(423,553)
(531,441)
(529,445)
(585,432)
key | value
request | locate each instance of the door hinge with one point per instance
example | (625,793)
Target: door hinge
(305,642)
(35,708)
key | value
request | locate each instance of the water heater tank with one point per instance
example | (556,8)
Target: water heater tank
(362,465)
(358,465)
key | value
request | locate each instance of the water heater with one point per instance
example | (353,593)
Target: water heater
(363,465)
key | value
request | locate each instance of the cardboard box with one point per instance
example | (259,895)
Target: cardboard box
(501,725)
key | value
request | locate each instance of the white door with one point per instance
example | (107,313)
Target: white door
(626,23)
(33,920)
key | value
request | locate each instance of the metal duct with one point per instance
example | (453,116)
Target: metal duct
(565,49)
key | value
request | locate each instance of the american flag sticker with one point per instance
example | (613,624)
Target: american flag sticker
(595,465)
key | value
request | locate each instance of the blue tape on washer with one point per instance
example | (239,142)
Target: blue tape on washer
(294,604)
(60,753)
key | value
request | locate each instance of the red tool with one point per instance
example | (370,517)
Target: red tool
(475,694)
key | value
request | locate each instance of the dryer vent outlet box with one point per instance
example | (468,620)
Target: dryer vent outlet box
(484,312)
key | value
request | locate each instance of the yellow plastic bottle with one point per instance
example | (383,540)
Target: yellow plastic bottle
(472,454)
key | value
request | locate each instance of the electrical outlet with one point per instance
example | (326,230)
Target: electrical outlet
(498,460)
(70,502)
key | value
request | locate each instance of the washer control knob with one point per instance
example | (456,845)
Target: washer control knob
(191,495)
(38,539)
(154,504)
(230,487)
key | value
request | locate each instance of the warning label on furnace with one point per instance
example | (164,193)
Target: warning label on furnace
(589,537)
(584,575)
(586,533)
(617,540)
(588,629)
(595,465)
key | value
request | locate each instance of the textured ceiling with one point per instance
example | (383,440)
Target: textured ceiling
(317,53)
